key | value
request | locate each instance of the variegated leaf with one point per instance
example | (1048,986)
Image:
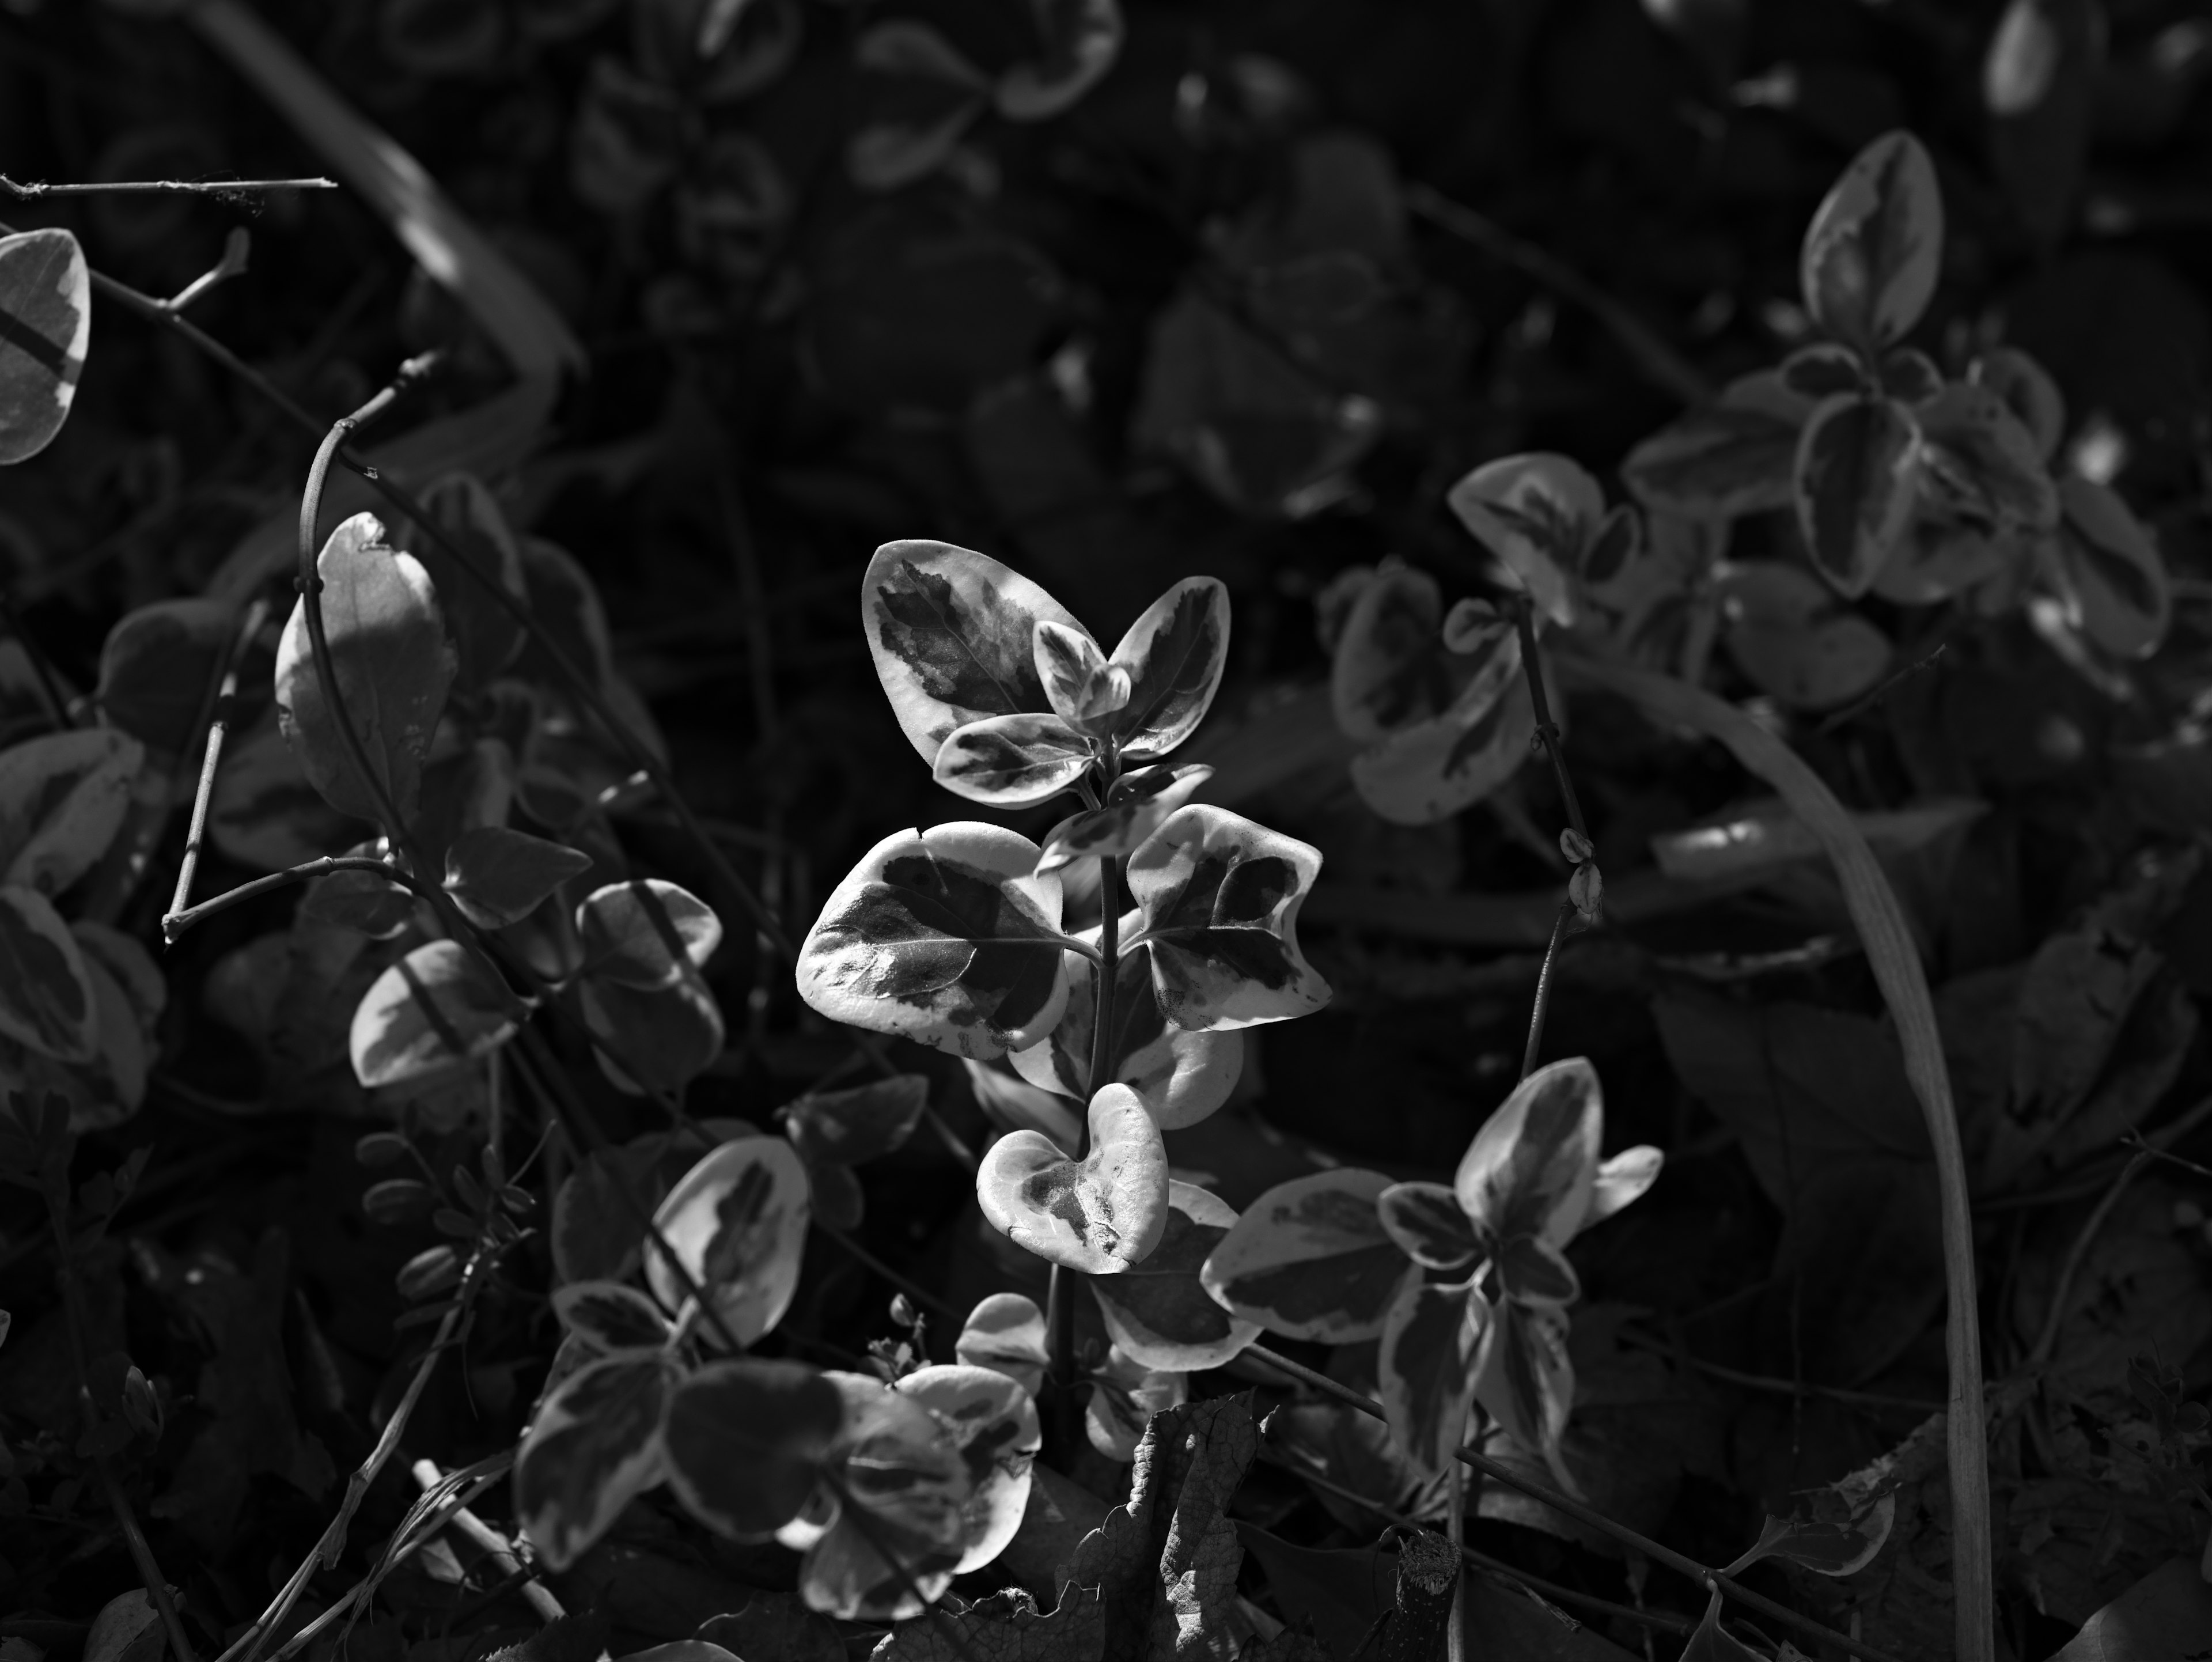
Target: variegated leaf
(1425,1220)
(1311,1259)
(1005,1333)
(1219,898)
(594,1446)
(1011,1103)
(2112,571)
(45,297)
(1623,1180)
(1085,689)
(1181,1076)
(862,1123)
(993,1421)
(1941,556)
(1135,806)
(62,797)
(1173,656)
(1536,513)
(1012,761)
(1434,768)
(953,635)
(1125,1394)
(1875,248)
(1158,1312)
(1384,673)
(1531,1167)
(1426,1369)
(1733,457)
(736,1223)
(655,1041)
(1856,474)
(747,1442)
(943,936)
(646,934)
(1524,1379)
(610,1316)
(1979,461)
(47,1000)
(1100,1214)
(435,1009)
(904,1467)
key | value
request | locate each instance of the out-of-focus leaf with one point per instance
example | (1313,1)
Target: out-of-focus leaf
(1124,1396)
(1857,467)
(1874,249)
(1785,631)
(441,37)
(1433,768)
(1525,1379)
(2027,390)
(903,1466)
(1099,1214)
(646,934)
(2038,80)
(2168,1613)
(746,1442)
(265,814)
(1081,39)
(717,50)
(47,996)
(62,797)
(1005,1333)
(1734,457)
(435,1009)
(486,638)
(46,295)
(653,1041)
(1384,673)
(1431,1337)
(1157,1312)
(628,137)
(2112,570)
(942,936)
(1311,1259)
(993,1421)
(155,667)
(863,1123)
(609,1316)
(736,1223)
(594,1445)
(916,95)
(1979,460)
(1537,514)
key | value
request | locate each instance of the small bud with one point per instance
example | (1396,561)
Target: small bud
(903,1310)
(1576,847)
(1586,888)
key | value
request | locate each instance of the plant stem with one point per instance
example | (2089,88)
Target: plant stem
(31,192)
(220,708)
(1108,971)
(177,922)
(494,1546)
(1532,669)
(2055,1318)
(1580,1513)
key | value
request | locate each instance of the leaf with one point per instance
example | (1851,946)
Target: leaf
(1979,461)
(1734,457)
(45,324)
(1713,1643)
(945,937)
(1537,514)
(436,1009)
(1166,1565)
(609,1316)
(497,876)
(128,1629)
(747,1440)
(62,797)
(1425,1220)
(1157,1312)
(1436,768)
(1822,371)
(1383,674)
(1861,1247)
(646,934)
(1874,249)
(594,1236)
(2027,390)
(736,1223)
(1525,1380)
(1082,39)
(393,665)
(1181,1076)
(903,1466)
(1099,1214)
(1005,1332)
(1012,761)
(46,997)
(1857,467)
(1173,656)
(1825,1534)
(1431,1337)
(1532,1166)
(487,639)
(952,633)
(2166,1614)
(2039,84)
(594,1446)
(1310,1259)
(1005,1627)
(917,95)
(1136,806)
(1013,1104)
(651,1042)
(1085,689)
(1219,898)
(860,1124)
(155,667)
(994,1424)
(265,814)
(1124,1396)
(1786,632)
(2111,570)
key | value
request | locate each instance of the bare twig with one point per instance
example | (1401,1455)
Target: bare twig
(494,1546)
(221,706)
(217,187)
(176,923)
(1881,690)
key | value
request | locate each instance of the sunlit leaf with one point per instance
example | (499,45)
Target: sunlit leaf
(435,1009)
(1005,1333)
(994,1423)
(1219,898)
(155,667)
(498,875)
(1181,1076)
(1173,656)
(593,1447)
(1857,469)
(747,1442)
(1383,674)
(1125,1394)
(1311,1259)
(736,1223)
(943,936)
(1536,513)
(610,1316)
(1100,1214)
(953,635)
(1621,1179)
(1531,1167)
(393,665)
(903,1465)
(1086,690)
(1875,248)
(46,300)
(1156,1311)
(647,932)
(62,797)
(1425,1220)
(1426,1369)
(2112,571)
(1012,761)
(1081,38)
(1135,806)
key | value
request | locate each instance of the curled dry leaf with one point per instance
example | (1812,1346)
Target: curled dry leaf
(736,1223)
(1099,1214)
(1311,1259)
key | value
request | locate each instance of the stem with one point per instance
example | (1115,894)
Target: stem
(494,1546)
(31,192)
(1108,971)
(176,923)
(1580,1513)
(1532,669)
(220,708)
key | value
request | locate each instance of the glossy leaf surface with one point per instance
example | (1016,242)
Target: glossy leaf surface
(736,1223)
(45,296)
(1011,761)
(1311,1259)
(1137,804)
(1099,1214)
(1005,1333)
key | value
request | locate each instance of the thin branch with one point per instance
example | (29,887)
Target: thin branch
(1107,970)
(177,922)
(492,1545)
(1659,1346)
(1583,1513)
(216,187)
(2055,1318)
(1881,690)
(216,712)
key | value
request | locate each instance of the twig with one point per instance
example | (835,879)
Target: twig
(1108,970)
(1547,730)
(1881,690)
(177,922)
(494,1546)
(221,706)
(1659,1346)
(1583,1514)
(33,192)
(2055,1318)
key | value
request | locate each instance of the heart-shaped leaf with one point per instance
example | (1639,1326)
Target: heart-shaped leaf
(609,1316)
(47,1000)
(497,876)
(1181,1076)
(1158,1312)
(594,1446)
(393,665)
(994,1423)
(62,797)
(1125,1394)
(646,934)
(1384,674)
(916,95)
(953,634)
(1433,768)
(1874,249)
(943,936)
(1081,40)
(903,1466)
(657,1041)
(1005,1333)
(736,1223)
(1099,1214)
(1219,899)
(486,637)
(2111,569)
(45,324)
(1426,1369)
(1536,513)
(1857,472)
(1135,806)
(1425,1220)
(1011,761)
(863,1123)
(1531,1167)
(1311,1259)
(1734,457)
(155,668)
(437,1008)
(1173,656)
(747,1442)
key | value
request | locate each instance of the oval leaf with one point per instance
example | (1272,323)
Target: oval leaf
(1536,513)
(1011,761)
(1173,655)
(1857,470)
(1525,1379)
(746,1442)
(1531,1167)
(487,638)
(1384,675)
(1311,1259)
(594,1446)
(609,1316)
(650,1042)
(994,1423)
(1134,808)
(1125,1395)
(155,666)
(1426,1370)
(45,324)
(1732,458)
(1158,1312)
(47,1000)
(1005,1333)
(62,797)
(1425,1220)
(916,96)
(1099,1214)
(863,1123)
(903,1466)
(1436,768)
(1875,248)
(1979,461)
(437,1008)
(646,934)
(736,1223)
(2111,568)
(945,937)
